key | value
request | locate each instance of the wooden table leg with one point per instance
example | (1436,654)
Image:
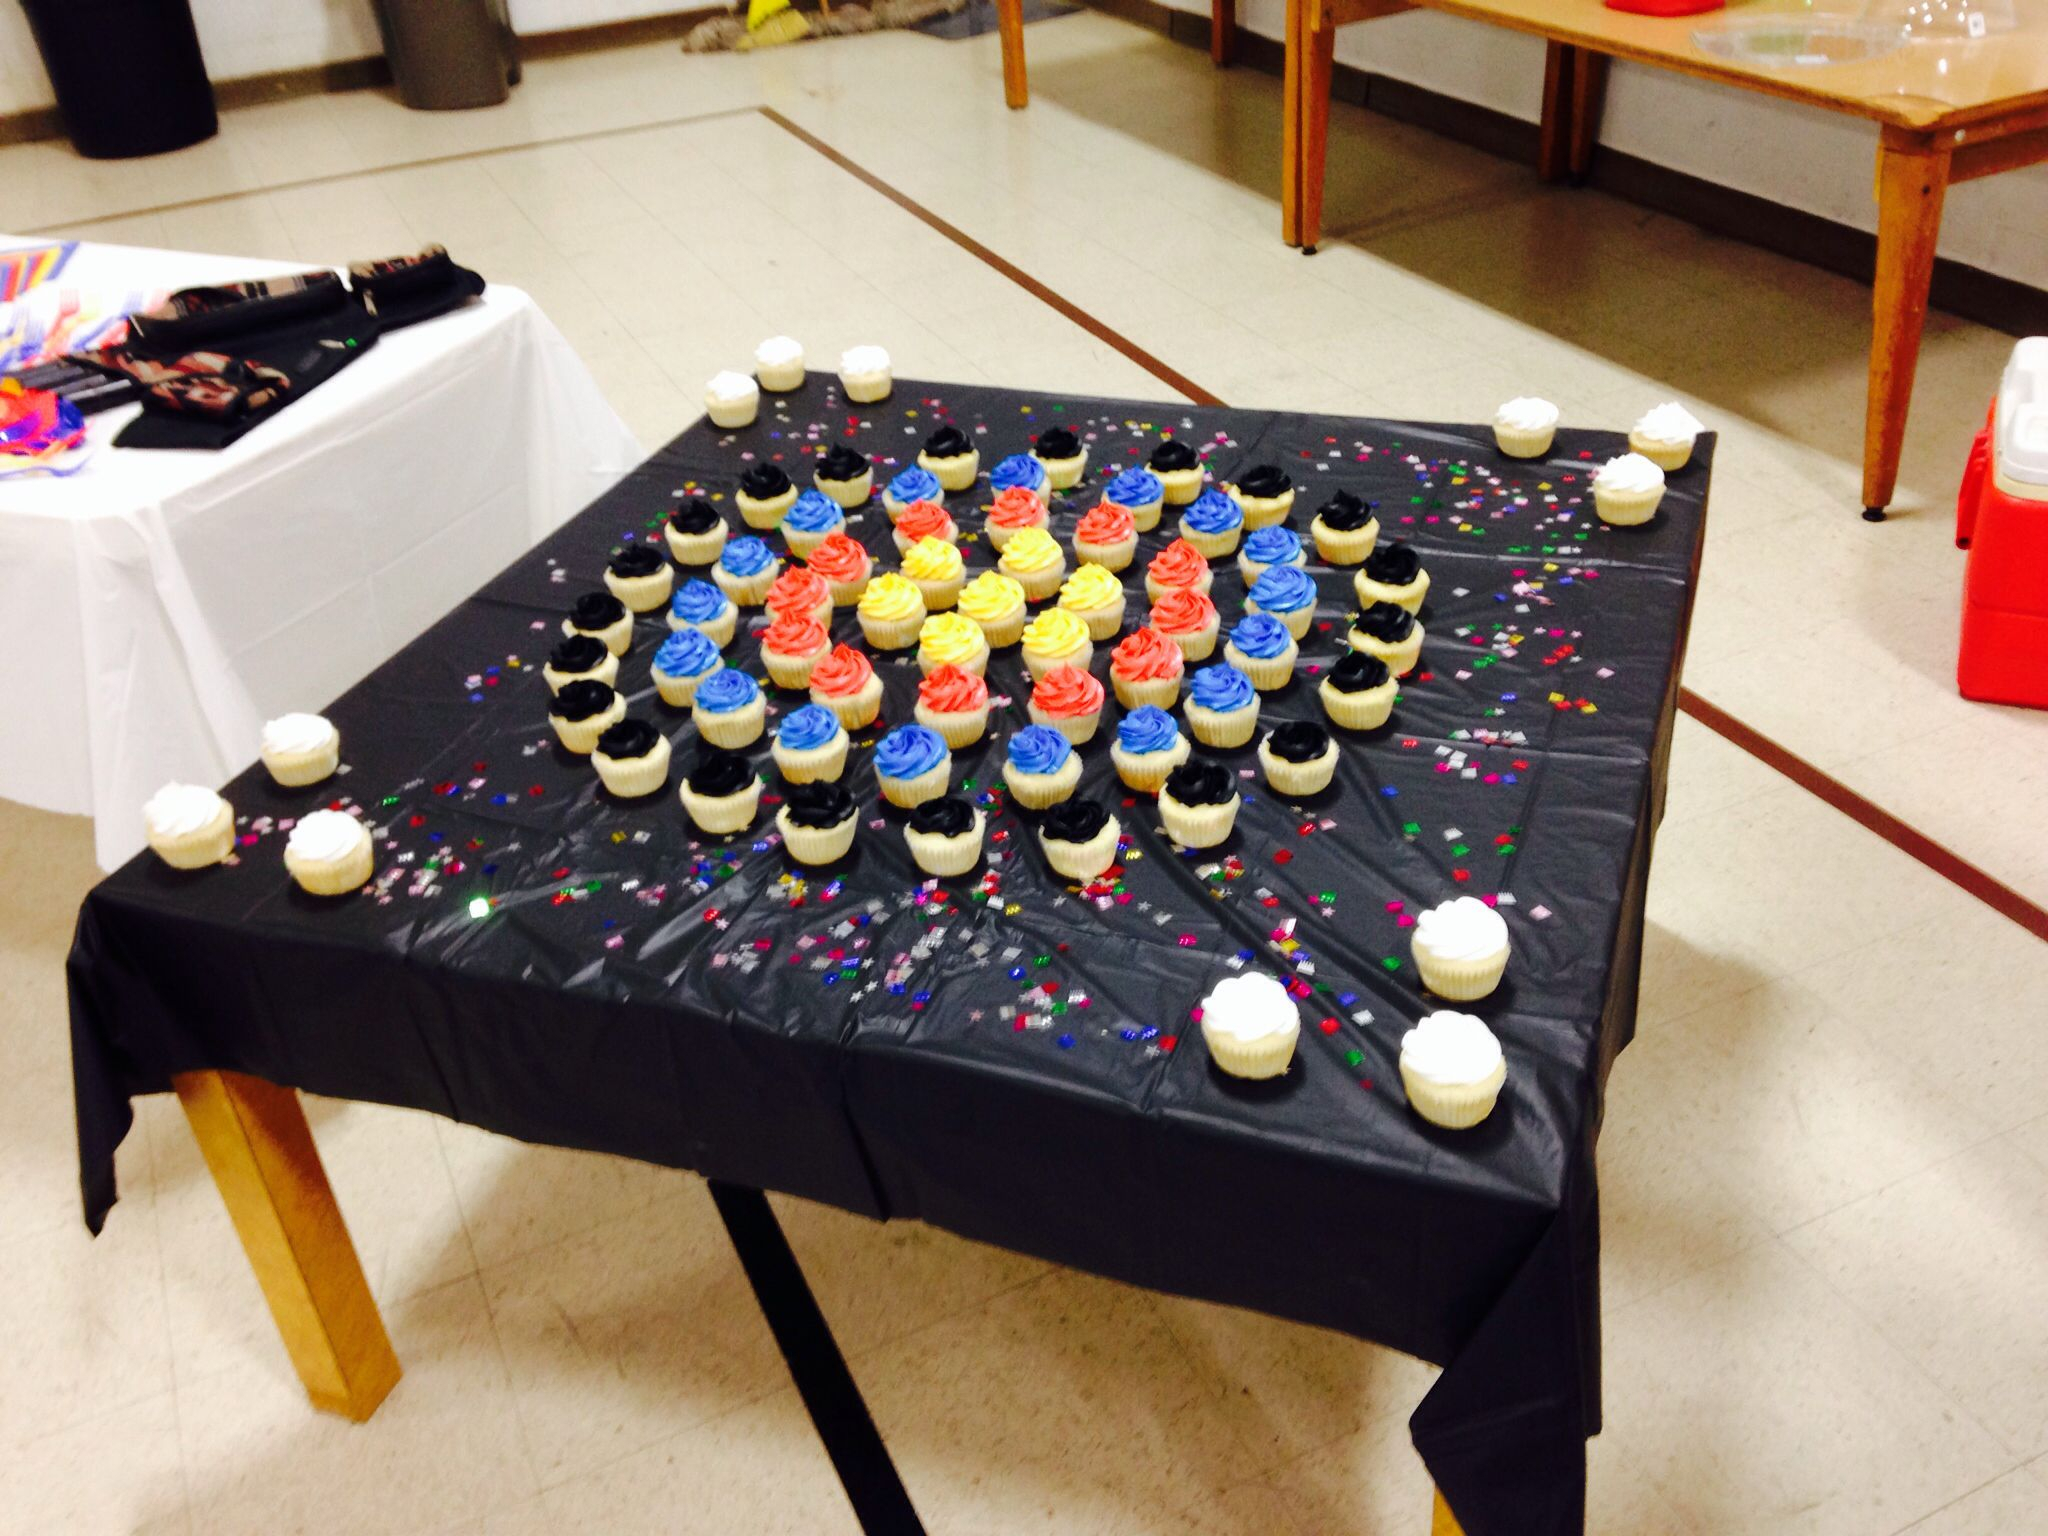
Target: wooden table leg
(260,1149)
(1010,23)
(1305,126)
(1222,33)
(1912,181)
(1554,129)
(1441,1521)
(1588,100)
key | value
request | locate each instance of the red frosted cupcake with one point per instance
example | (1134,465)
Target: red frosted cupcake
(800,592)
(1070,701)
(792,647)
(1146,668)
(1013,509)
(1188,619)
(845,564)
(953,702)
(925,519)
(845,683)
(1179,566)
(1107,536)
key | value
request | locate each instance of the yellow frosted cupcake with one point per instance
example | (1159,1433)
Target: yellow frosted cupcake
(1096,598)
(1034,561)
(938,570)
(891,612)
(996,603)
(1056,638)
(952,640)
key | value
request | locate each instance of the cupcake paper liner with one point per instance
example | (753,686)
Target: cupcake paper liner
(1266,672)
(1521,444)
(1626,509)
(719,631)
(1161,691)
(721,815)
(695,548)
(1454,1106)
(678,691)
(1409,596)
(580,736)
(297,769)
(1400,657)
(1079,729)
(1147,772)
(1460,981)
(1361,711)
(790,671)
(733,728)
(1037,585)
(606,671)
(1198,826)
(1212,546)
(819,763)
(1291,778)
(746,591)
(1222,728)
(959,727)
(1669,457)
(914,791)
(1344,546)
(1036,791)
(1297,620)
(1267,1056)
(195,850)
(946,857)
(643,594)
(334,877)
(1037,663)
(892,634)
(1111,557)
(631,777)
(1083,861)
(855,709)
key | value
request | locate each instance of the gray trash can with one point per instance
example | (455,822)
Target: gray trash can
(446,55)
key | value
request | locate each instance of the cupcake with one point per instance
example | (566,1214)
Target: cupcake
(191,827)
(685,659)
(1250,1026)
(1011,510)
(845,683)
(701,606)
(1079,838)
(1287,593)
(1452,1069)
(1147,748)
(1344,529)
(812,518)
(1358,693)
(602,617)
(1665,435)
(1299,758)
(864,374)
(732,400)
(582,712)
(1070,701)
(1261,648)
(779,364)
(817,822)
(1524,427)
(1096,598)
(1212,523)
(721,792)
(996,603)
(746,570)
(912,765)
(951,455)
(954,702)
(632,758)
(1063,457)
(304,749)
(1199,802)
(1461,948)
(891,610)
(695,532)
(1146,668)
(1626,490)
(909,487)
(1139,493)
(1019,471)
(799,593)
(809,745)
(1264,494)
(765,494)
(579,657)
(1106,536)
(1056,638)
(728,708)
(1180,566)
(951,640)
(1034,562)
(938,570)
(1179,471)
(1392,573)
(329,853)
(845,564)
(845,475)
(1391,634)
(924,520)
(1222,707)
(1265,548)
(640,577)
(1189,620)
(791,647)
(1040,767)
(945,836)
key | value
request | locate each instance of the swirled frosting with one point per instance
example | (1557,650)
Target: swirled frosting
(1089,588)
(764,482)
(890,596)
(1222,688)
(693,514)
(1146,656)
(947,816)
(1394,564)
(1016,506)
(841,462)
(1213,512)
(991,596)
(1461,929)
(815,512)
(578,653)
(1065,692)
(1180,564)
(1074,821)
(1261,635)
(1057,443)
(914,484)
(1278,545)
(1134,488)
(324,836)
(1357,672)
(1451,1048)
(1199,781)
(717,772)
(1018,469)
(778,351)
(582,699)
(1298,741)
(910,750)
(1388,623)
(1056,633)
(951,690)
(808,728)
(628,738)
(926,520)
(1250,1008)
(746,556)
(1344,512)
(843,672)
(697,601)
(932,560)
(1264,481)
(1284,589)
(839,558)
(687,653)
(1172,455)
(1631,473)
(726,690)
(949,442)
(1183,611)
(820,804)
(1039,749)
(1106,523)
(637,560)
(950,639)
(1032,549)
(596,610)
(798,590)
(179,810)
(1147,729)
(795,634)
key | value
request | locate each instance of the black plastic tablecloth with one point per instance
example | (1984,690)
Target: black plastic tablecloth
(999,1054)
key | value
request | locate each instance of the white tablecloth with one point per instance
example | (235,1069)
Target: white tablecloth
(162,605)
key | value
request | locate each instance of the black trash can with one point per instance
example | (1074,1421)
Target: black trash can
(447,55)
(128,74)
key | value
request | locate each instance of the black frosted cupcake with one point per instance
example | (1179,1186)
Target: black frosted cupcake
(764,495)
(1299,758)
(695,532)
(721,791)
(1199,803)
(640,577)
(817,821)
(1344,529)
(945,835)
(1393,574)
(845,475)
(1179,469)
(1358,693)
(584,711)
(1388,631)
(632,758)
(1264,494)
(603,617)
(580,658)
(950,456)
(1079,838)
(1063,457)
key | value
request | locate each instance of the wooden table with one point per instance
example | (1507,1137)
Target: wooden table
(1945,113)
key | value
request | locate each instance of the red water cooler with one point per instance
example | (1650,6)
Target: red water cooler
(2002,520)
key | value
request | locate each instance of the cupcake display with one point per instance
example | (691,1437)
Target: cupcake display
(799,593)
(1034,562)
(1063,457)
(1179,471)
(1178,567)
(951,456)
(1070,701)
(1056,638)
(1390,634)
(1213,523)
(845,564)
(1461,948)
(1106,536)
(1020,471)
(924,520)
(1665,435)
(912,765)
(1040,767)
(329,853)
(1358,693)
(945,836)
(685,659)
(695,532)
(891,611)
(746,570)
(1250,1026)
(1146,668)
(631,758)
(1222,706)
(301,749)
(1079,838)
(1452,1069)
(907,488)
(732,400)
(721,792)
(1011,510)
(582,712)
(1148,747)
(1287,593)
(811,519)
(702,606)
(640,577)
(764,495)
(845,683)
(1139,493)
(1626,490)
(1299,758)
(791,647)
(779,364)
(996,603)
(1344,529)
(1392,573)
(1261,648)
(1096,598)
(603,617)
(844,475)
(1524,427)
(578,658)
(810,744)
(1264,494)
(865,374)
(1189,620)
(728,709)
(954,702)
(190,826)
(817,822)
(1268,547)
(1199,803)
(952,640)
(938,570)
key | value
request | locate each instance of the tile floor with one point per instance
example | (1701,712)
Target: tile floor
(1825,1165)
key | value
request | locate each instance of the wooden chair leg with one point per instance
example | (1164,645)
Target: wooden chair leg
(1589,98)
(260,1150)
(1553,132)
(1010,23)
(1305,129)
(1441,1521)
(1912,182)
(1223,33)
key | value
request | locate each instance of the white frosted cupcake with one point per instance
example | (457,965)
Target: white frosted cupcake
(950,454)
(1222,707)
(1250,1025)
(301,749)
(329,853)
(1626,490)
(945,836)
(817,822)
(632,759)
(577,658)
(1063,457)
(1040,767)
(1080,838)
(913,764)
(865,375)
(779,364)
(685,659)
(728,709)
(1299,758)
(1461,948)
(721,792)
(1264,494)
(810,745)
(732,400)
(1665,435)
(1199,803)
(1452,1069)
(189,826)
(1524,427)
(584,711)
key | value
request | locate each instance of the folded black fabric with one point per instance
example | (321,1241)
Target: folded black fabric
(404,290)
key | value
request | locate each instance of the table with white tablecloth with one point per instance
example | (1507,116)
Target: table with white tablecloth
(164,603)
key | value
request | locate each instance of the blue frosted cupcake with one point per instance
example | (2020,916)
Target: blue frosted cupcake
(1212,523)
(1261,648)
(746,570)
(912,765)
(810,745)
(912,484)
(729,709)
(1147,748)
(1041,767)
(1264,547)
(814,519)
(685,659)
(1222,706)
(1288,593)
(701,606)
(1020,471)
(1140,493)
